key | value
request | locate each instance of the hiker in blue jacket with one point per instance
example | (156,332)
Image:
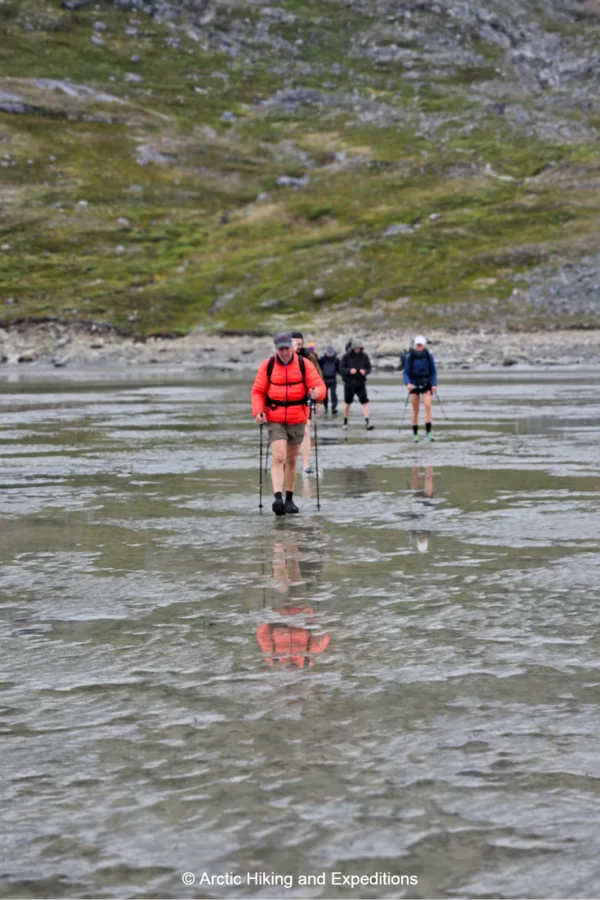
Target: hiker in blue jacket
(330,367)
(420,378)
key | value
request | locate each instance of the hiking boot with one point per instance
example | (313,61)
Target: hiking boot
(308,471)
(344,427)
(416,438)
(290,508)
(429,437)
(334,412)
(369,427)
(279,507)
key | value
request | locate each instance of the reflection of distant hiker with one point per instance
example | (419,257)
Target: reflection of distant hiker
(330,366)
(420,377)
(354,368)
(420,540)
(301,350)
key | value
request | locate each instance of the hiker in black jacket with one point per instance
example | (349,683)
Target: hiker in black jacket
(354,368)
(330,367)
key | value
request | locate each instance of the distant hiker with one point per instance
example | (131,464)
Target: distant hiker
(355,366)
(420,377)
(309,354)
(280,395)
(330,367)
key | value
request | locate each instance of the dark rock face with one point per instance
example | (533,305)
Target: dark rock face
(572,289)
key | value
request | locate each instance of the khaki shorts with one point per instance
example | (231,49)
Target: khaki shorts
(293,434)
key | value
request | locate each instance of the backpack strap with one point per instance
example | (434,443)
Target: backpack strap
(303,370)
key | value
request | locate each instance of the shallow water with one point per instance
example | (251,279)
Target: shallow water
(405,682)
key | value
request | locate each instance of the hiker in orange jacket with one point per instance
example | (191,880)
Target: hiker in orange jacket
(282,387)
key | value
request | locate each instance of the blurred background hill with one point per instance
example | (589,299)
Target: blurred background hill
(245,165)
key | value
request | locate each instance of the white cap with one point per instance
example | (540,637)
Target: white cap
(420,339)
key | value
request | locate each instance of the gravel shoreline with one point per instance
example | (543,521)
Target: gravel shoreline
(76,348)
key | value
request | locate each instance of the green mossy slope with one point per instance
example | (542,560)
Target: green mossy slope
(141,176)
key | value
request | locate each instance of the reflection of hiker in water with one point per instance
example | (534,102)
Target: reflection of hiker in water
(420,540)
(422,487)
(422,482)
(292,638)
(355,481)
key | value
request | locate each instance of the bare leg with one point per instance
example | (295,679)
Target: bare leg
(365,410)
(427,400)
(306,447)
(291,464)
(414,399)
(346,410)
(278,459)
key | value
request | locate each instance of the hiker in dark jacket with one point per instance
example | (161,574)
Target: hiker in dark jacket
(301,350)
(330,367)
(354,368)
(420,377)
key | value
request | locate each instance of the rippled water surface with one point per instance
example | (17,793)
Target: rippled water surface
(406,682)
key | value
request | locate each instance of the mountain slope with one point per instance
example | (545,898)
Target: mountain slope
(244,166)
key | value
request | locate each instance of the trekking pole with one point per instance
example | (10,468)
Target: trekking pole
(442,405)
(267,458)
(312,412)
(404,410)
(260,468)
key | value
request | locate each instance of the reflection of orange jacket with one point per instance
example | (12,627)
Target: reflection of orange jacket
(285,643)
(286,386)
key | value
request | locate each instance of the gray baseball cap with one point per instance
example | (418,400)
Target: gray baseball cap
(282,340)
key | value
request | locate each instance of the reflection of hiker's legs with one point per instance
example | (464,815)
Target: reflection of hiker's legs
(279,451)
(429,481)
(416,480)
(291,464)
(305,447)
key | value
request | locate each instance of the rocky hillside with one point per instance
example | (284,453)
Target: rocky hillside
(230,164)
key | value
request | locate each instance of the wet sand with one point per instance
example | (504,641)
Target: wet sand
(403,683)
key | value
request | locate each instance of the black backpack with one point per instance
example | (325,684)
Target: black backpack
(329,367)
(410,357)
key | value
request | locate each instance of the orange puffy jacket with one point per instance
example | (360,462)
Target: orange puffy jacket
(283,643)
(284,398)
